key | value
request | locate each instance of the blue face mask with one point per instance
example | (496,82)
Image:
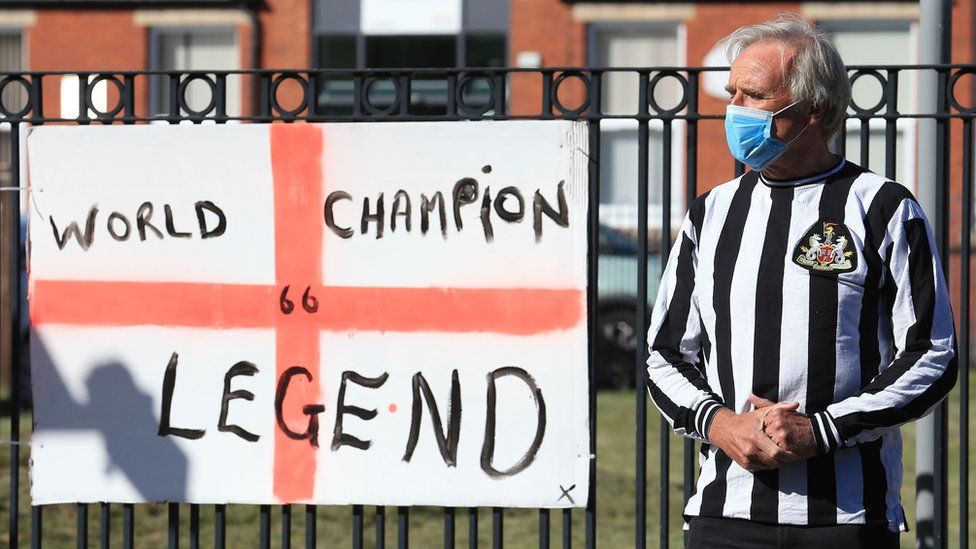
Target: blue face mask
(748,133)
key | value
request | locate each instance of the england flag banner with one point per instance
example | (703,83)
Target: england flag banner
(374,313)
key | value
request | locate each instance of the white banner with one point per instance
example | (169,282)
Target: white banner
(377,313)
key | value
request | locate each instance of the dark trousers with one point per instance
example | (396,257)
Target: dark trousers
(725,533)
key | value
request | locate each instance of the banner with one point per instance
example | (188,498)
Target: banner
(375,313)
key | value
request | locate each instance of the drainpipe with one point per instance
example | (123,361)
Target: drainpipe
(931,468)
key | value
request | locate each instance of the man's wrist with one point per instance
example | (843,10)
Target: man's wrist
(825,432)
(716,416)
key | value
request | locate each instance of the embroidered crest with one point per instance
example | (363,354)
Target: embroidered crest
(826,248)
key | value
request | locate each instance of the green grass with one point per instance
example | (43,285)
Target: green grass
(616,512)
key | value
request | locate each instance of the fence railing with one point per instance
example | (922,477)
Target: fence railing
(671,127)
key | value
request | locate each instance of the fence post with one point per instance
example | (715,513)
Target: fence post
(930,459)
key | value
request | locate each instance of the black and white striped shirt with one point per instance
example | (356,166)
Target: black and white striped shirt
(827,291)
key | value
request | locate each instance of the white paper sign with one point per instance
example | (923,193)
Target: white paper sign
(381,313)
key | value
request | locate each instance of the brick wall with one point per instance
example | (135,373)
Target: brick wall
(547,27)
(286,42)
(85,40)
(962,52)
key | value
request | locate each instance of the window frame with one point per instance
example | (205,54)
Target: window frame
(618,211)
(359,39)
(430,100)
(19,32)
(155,37)
(359,45)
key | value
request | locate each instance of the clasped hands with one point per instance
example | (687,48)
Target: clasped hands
(768,437)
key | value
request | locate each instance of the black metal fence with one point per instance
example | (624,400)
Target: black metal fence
(486,94)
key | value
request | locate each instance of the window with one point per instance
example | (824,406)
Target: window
(880,42)
(626,45)
(195,49)
(485,50)
(428,95)
(336,52)
(366,34)
(437,51)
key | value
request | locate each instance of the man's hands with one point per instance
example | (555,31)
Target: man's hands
(768,437)
(787,428)
(742,438)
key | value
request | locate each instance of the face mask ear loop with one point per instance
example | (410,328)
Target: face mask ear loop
(805,126)
(798,135)
(786,107)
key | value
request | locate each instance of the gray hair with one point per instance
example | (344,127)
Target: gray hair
(816,74)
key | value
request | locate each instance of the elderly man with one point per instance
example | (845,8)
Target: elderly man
(802,318)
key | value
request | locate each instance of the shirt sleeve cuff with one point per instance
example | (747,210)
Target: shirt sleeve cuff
(825,432)
(703,416)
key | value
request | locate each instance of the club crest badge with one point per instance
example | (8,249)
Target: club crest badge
(826,248)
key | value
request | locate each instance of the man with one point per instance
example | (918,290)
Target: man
(803,316)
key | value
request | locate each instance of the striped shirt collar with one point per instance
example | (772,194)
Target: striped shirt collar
(804,180)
